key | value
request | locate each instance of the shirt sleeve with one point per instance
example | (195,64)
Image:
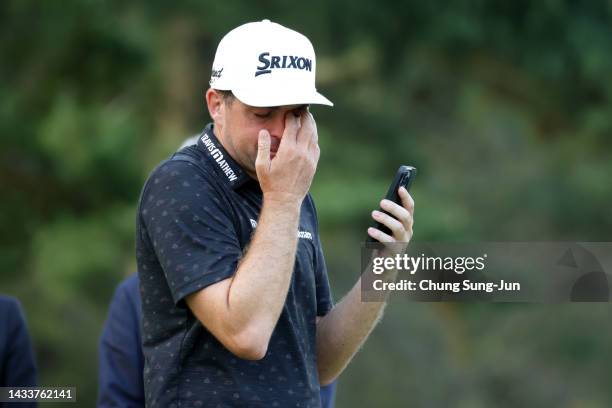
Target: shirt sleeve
(190,225)
(120,353)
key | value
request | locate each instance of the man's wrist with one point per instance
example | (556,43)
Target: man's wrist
(282,202)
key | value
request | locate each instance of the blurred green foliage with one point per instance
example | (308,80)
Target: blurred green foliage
(505,108)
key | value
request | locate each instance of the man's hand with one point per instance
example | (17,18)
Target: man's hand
(343,330)
(288,175)
(399,222)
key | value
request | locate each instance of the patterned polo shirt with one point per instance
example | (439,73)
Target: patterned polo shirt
(197,213)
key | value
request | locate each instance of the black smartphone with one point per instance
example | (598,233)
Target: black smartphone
(404,177)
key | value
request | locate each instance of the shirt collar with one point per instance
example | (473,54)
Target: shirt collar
(222,162)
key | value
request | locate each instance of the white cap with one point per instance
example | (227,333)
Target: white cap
(265,64)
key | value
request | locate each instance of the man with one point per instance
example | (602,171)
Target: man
(17,364)
(120,355)
(237,309)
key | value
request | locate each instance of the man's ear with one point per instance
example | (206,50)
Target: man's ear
(216,107)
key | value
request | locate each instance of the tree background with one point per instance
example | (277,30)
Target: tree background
(504,107)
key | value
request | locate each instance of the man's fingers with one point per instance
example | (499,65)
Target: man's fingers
(314,140)
(315,133)
(315,151)
(307,131)
(396,227)
(407,201)
(292,127)
(262,162)
(379,235)
(398,212)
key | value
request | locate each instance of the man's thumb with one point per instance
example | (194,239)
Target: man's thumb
(263,150)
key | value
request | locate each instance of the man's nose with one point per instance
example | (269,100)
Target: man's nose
(277,126)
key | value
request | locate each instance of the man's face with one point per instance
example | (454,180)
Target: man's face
(237,126)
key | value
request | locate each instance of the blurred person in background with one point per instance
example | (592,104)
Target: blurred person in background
(17,363)
(237,308)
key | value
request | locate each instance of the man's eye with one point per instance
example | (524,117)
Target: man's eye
(263,115)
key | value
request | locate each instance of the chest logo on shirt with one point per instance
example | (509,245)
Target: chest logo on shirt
(300,234)
(216,154)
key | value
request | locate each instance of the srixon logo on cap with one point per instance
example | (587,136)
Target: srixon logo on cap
(268,63)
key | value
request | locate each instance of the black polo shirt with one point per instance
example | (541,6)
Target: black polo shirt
(196,216)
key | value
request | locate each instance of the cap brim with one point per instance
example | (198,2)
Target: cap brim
(280,98)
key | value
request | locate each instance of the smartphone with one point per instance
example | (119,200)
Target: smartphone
(404,177)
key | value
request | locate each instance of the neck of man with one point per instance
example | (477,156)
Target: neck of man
(229,148)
